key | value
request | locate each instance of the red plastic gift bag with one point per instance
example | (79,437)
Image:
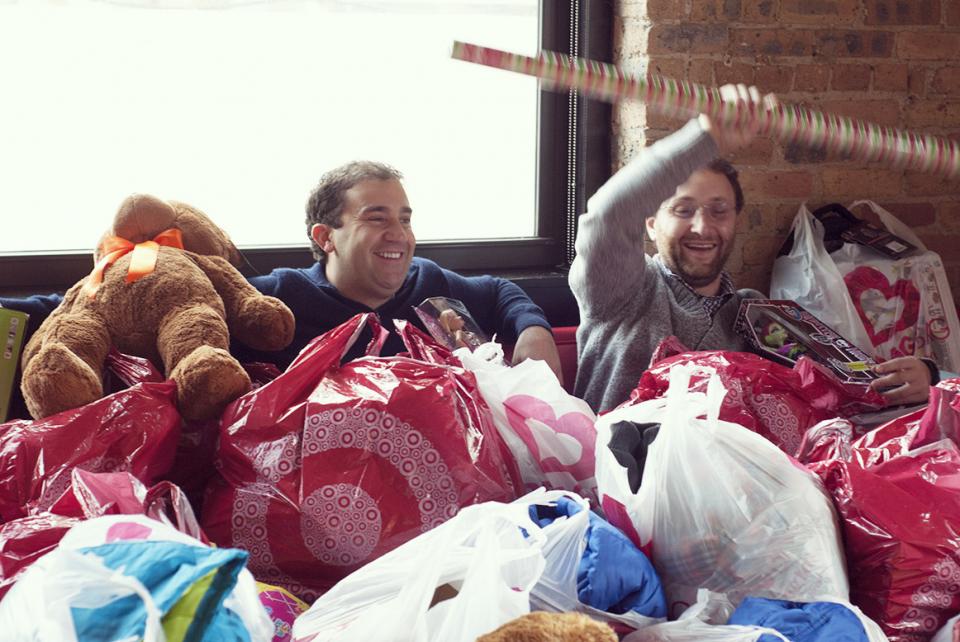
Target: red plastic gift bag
(897,489)
(134,430)
(772,400)
(330,466)
(901,525)
(193,463)
(27,539)
(943,416)
(836,438)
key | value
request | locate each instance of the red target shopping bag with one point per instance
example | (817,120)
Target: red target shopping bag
(332,465)
(772,400)
(134,430)
(897,491)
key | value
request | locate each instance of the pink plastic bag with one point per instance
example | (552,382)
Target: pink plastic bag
(549,433)
(772,400)
(25,540)
(330,466)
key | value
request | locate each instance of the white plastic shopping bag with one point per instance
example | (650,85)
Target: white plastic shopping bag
(481,553)
(810,277)
(906,306)
(550,432)
(40,605)
(704,621)
(888,308)
(721,508)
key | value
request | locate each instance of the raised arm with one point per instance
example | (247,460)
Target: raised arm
(611,264)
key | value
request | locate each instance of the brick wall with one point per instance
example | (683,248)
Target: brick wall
(893,62)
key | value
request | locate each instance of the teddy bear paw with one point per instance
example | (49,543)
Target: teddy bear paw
(56,379)
(264,323)
(207,380)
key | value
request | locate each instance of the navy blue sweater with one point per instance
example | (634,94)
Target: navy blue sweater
(498,306)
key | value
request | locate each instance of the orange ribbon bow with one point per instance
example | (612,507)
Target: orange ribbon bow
(142,263)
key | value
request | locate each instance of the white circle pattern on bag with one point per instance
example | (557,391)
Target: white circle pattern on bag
(773,412)
(277,459)
(340,524)
(932,601)
(779,419)
(377,432)
(397,442)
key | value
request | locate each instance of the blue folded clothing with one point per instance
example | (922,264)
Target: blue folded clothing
(801,622)
(613,574)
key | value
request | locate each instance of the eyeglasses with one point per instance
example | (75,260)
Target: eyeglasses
(687,209)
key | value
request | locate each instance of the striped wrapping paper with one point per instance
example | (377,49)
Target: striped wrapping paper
(856,138)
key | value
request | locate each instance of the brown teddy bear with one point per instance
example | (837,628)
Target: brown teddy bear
(540,626)
(176,307)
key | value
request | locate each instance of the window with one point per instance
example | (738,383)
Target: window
(238,106)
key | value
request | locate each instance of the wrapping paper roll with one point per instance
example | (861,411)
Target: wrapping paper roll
(788,123)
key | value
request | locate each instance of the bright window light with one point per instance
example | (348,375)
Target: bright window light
(239,107)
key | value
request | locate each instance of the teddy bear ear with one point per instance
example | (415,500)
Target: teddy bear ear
(201,235)
(141,217)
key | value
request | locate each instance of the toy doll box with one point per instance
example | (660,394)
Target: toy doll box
(783,332)
(13,324)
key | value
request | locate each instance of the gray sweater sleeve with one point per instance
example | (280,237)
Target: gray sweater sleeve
(610,265)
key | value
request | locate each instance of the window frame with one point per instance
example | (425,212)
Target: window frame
(573,160)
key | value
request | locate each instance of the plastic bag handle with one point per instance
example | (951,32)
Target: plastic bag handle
(715,394)
(421,345)
(808,238)
(380,335)
(413,599)
(166,503)
(892,223)
(343,337)
(679,399)
(86,577)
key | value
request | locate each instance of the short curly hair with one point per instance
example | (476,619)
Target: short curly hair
(724,167)
(325,204)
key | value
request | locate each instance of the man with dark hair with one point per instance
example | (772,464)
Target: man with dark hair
(687,200)
(360,227)
(326,201)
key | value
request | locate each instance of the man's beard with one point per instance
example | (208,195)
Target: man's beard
(695,273)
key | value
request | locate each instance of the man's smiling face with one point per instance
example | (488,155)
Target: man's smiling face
(694,230)
(369,255)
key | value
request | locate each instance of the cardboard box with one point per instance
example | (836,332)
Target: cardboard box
(13,325)
(783,332)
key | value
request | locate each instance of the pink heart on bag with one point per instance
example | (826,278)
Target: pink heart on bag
(554,441)
(876,301)
(126,531)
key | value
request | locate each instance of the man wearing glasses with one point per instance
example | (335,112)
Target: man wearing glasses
(686,200)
